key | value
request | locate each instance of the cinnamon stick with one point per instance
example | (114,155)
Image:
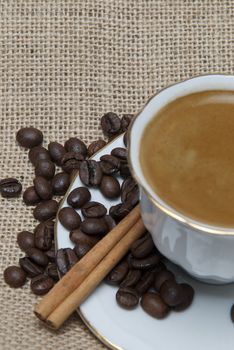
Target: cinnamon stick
(82,269)
(65,309)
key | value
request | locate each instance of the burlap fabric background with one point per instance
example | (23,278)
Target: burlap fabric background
(64,63)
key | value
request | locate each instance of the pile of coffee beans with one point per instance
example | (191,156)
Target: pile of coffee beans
(141,277)
(41,263)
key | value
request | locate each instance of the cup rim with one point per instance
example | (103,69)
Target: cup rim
(156,199)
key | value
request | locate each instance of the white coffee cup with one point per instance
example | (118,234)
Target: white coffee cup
(204,251)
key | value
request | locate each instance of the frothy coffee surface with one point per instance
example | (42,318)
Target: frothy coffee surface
(187,156)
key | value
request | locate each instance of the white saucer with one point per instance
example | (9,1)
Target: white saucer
(205,325)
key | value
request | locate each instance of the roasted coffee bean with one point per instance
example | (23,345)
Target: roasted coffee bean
(145,263)
(93,210)
(111,124)
(124,170)
(45,210)
(69,218)
(188,294)
(44,235)
(29,137)
(145,282)
(133,199)
(48,224)
(232,313)
(81,249)
(43,188)
(161,277)
(120,153)
(37,256)
(95,146)
(51,253)
(159,267)
(118,273)
(109,164)
(38,153)
(14,276)
(127,298)
(90,173)
(131,279)
(60,183)
(153,304)
(56,151)
(41,284)
(30,196)
(52,271)
(25,240)
(10,187)
(65,259)
(76,145)
(171,293)
(45,168)
(130,191)
(110,222)
(94,226)
(30,267)
(125,139)
(142,247)
(119,211)
(125,121)
(71,161)
(79,237)
(129,259)
(110,187)
(78,197)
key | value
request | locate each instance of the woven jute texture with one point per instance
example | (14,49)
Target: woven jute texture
(62,65)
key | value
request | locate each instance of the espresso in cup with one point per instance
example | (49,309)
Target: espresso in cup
(187,156)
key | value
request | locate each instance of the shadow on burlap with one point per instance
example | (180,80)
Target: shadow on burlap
(63,64)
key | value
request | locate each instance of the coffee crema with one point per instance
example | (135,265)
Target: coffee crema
(187,156)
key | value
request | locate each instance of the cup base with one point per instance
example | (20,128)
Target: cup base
(211,281)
